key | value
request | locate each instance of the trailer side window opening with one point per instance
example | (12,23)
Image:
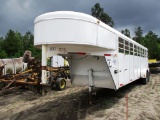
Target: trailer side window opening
(135,50)
(131,48)
(121,45)
(126,47)
(146,54)
(138,51)
(141,52)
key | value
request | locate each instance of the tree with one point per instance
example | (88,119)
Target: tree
(138,35)
(11,43)
(3,54)
(14,45)
(28,44)
(151,42)
(1,43)
(126,32)
(28,39)
(99,13)
(138,31)
(19,37)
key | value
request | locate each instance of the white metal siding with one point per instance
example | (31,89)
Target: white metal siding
(106,38)
(65,31)
(80,66)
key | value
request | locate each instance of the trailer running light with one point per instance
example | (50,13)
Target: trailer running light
(121,85)
(115,55)
(81,53)
(107,54)
(78,53)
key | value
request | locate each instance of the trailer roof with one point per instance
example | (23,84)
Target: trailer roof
(65,14)
(81,16)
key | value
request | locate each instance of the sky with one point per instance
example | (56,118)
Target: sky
(19,15)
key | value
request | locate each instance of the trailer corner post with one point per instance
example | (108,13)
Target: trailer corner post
(90,85)
(44,64)
(90,80)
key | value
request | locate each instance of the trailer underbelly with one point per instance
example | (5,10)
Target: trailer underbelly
(80,67)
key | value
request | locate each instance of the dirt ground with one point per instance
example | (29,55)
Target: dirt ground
(72,103)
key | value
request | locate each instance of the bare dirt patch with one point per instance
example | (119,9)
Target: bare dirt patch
(72,103)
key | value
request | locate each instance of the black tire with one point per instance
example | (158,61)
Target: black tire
(146,80)
(53,85)
(60,84)
(148,76)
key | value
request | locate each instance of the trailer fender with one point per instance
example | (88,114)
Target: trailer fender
(143,73)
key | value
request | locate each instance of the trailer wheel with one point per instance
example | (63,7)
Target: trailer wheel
(60,84)
(146,80)
(53,85)
(148,74)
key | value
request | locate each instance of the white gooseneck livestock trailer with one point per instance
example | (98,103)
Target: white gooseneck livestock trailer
(98,55)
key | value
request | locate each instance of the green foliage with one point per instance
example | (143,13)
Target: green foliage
(3,54)
(138,31)
(138,35)
(11,43)
(14,45)
(28,44)
(1,43)
(99,13)
(28,40)
(126,32)
(151,42)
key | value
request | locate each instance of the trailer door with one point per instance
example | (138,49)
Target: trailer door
(126,62)
(126,69)
(121,69)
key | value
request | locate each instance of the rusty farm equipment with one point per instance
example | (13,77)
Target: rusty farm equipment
(31,77)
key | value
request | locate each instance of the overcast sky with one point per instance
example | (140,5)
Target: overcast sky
(19,15)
